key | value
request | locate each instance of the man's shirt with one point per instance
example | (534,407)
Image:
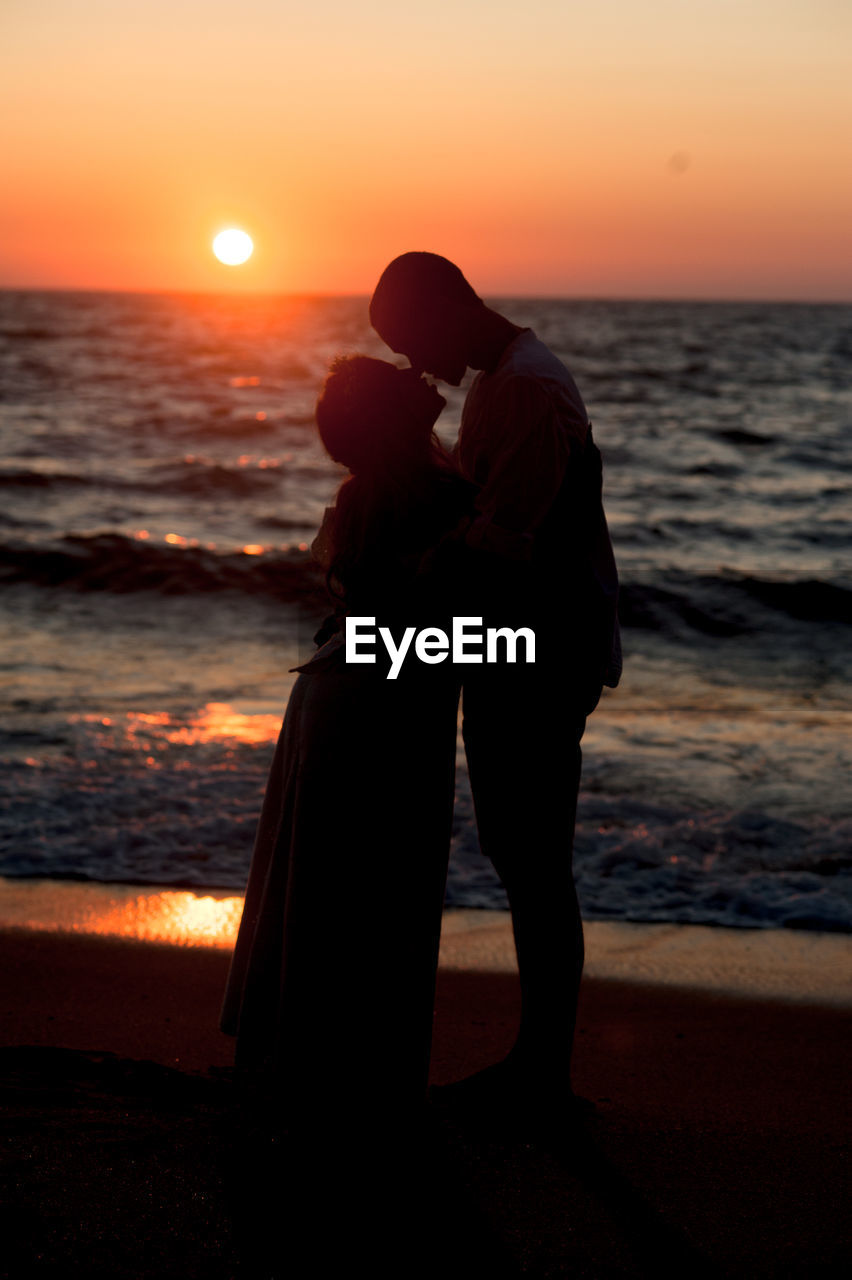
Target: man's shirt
(525,441)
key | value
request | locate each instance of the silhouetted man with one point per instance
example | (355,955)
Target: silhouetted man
(537,554)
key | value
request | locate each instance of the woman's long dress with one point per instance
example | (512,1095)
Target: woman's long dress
(331,986)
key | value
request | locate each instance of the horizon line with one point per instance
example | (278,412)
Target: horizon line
(745,300)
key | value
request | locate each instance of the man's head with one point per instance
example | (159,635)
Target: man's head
(424,309)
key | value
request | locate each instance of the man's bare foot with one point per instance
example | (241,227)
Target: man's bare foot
(513,1095)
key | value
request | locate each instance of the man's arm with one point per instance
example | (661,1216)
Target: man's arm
(525,456)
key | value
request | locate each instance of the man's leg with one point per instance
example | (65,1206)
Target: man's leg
(523,748)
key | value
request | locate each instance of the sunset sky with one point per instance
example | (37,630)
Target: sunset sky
(658,148)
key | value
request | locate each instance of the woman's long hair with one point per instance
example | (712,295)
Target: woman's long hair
(393,471)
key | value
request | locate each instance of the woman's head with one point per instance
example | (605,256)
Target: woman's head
(374,417)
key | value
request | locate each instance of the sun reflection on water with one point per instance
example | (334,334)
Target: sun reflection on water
(217,740)
(216,721)
(173,916)
(176,917)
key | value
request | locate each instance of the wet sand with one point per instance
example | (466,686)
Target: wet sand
(717,1063)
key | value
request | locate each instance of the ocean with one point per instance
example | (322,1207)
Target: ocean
(161,482)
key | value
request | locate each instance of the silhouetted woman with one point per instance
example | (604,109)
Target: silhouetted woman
(332,982)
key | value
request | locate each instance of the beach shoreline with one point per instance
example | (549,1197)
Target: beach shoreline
(718,1130)
(806,966)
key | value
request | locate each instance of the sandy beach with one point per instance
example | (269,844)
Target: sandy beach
(715,1060)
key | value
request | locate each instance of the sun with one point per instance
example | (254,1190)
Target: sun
(233,247)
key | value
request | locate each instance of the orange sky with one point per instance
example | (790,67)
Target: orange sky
(664,148)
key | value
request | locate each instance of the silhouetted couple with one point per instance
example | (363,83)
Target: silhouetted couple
(332,983)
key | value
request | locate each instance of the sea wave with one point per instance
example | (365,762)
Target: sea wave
(28,333)
(201,480)
(114,562)
(731,604)
(187,818)
(21,477)
(721,605)
(194,477)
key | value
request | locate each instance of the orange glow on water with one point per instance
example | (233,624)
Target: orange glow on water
(176,916)
(217,721)
(263,464)
(178,540)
